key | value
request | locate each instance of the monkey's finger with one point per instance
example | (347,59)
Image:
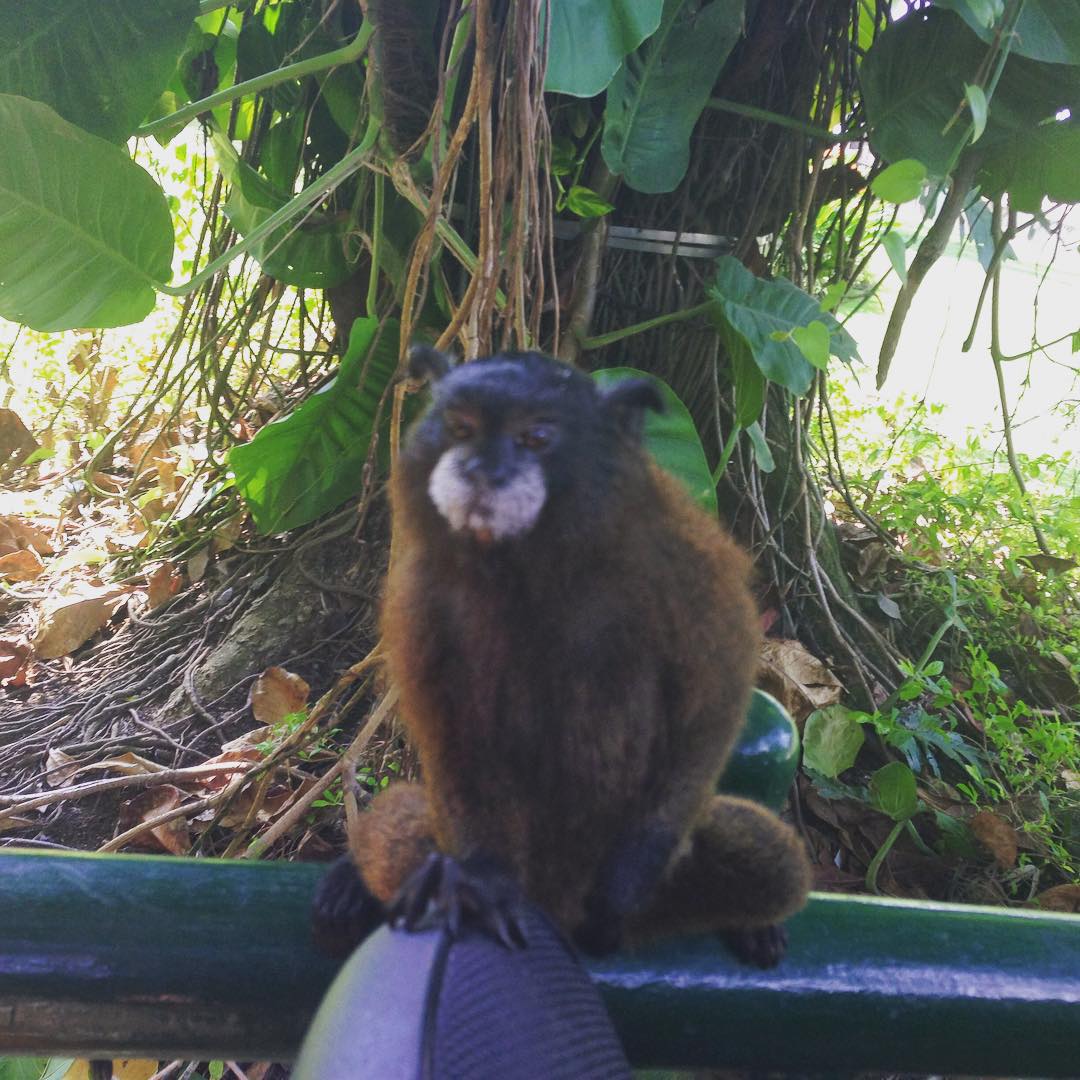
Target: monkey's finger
(505,926)
(411,905)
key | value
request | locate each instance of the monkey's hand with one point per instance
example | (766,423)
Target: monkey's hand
(759,946)
(343,912)
(473,892)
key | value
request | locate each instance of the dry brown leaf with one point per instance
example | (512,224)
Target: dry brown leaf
(196,565)
(226,534)
(249,740)
(144,454)
(872,560)
(997,836)
(244,759)
(60,768)
(1060,898)
(171,836)
(270,804)
(162,585)
(16,442)
(13,656)
(129,764)
(67,622)
(277,693)
(108,482)
(15,535)
(22,565)
(797,678)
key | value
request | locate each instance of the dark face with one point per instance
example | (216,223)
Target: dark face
(507,436)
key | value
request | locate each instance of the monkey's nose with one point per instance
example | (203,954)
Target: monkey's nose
(484,472)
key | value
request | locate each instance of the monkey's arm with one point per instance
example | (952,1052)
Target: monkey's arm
(394,871)
(389,843)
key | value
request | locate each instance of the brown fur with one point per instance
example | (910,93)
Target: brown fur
(573,693)
(396,837)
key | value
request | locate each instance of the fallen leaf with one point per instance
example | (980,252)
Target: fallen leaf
(250,739)
(872,560)
(22,565)
(13,656)
(996,835)
(800,681)
(270,804)
(277,693)
(1060,898)
(108,482)
(60,768)
(67,622)
(15,535)
(217,780)
(227,533)
(16,442)
(171,836)
(196,565)
(129,764)
(162,585)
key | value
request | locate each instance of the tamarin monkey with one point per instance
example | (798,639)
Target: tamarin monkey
(574,643)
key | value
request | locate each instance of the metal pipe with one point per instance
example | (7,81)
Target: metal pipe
(121,956)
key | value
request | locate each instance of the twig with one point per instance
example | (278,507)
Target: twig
(261,844)
(14,805)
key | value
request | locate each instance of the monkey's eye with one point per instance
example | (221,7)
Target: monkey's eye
(460,428)
(536,437)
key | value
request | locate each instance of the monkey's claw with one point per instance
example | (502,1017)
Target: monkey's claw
(461,895)
(759,946)
(343,912)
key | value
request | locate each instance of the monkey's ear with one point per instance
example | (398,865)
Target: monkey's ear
(426,363)
(628,400)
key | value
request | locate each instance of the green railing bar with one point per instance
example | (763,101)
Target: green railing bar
(119,956)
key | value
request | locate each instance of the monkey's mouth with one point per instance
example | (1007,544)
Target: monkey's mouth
(484,511)
(479,522)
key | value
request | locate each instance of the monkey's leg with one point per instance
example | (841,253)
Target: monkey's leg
(743,873)
(391,840)
(627,881)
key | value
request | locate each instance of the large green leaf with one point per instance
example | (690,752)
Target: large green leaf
(893,791)
(1042,162)
(309,255)
(755,319)
(914,81)
(1046,29)
(84,231)
(660,90)
(101,66)
(671,437)
(832,738)
(310,462)
(589,39)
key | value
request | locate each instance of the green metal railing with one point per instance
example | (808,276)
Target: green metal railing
(118,956)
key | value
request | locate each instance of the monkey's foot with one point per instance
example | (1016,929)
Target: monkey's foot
(343,912)
(458,895)
(759,946)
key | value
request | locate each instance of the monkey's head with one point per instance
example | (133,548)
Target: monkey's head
(517,439)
